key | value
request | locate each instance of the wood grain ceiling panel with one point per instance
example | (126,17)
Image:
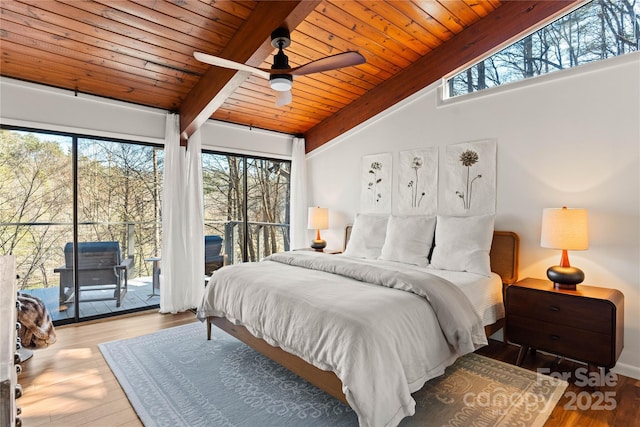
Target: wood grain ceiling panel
(106,22)
(93,48)
(141,51)
(51,39)
(158,22)
(512,18)
(390,19)
(251,46)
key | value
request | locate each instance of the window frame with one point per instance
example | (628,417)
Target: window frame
(445,97)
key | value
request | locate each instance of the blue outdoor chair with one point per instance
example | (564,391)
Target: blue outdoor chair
(100,267)
(212,258)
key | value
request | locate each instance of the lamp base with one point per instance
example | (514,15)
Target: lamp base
(318,245)
(565,278)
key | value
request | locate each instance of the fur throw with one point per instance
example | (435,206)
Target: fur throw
(36,329)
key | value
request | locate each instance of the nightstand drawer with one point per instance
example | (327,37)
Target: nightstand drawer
(580,344)
(582,313)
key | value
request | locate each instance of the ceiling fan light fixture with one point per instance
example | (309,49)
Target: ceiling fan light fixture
(280,75)
(281,82)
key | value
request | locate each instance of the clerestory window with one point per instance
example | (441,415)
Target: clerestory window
(598,30)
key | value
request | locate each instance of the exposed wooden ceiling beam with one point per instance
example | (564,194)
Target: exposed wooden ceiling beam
(251,45)
(513,18)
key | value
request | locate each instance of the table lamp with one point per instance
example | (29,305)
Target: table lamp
(318,219)
(565,229)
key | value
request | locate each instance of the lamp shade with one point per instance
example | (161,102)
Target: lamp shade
(318,218)
(564,229)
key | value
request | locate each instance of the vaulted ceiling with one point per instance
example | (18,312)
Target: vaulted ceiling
(141,51)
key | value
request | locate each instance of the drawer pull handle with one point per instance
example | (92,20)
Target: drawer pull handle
(555,337)
(554,308)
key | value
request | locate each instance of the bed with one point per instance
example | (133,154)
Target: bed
(338,326)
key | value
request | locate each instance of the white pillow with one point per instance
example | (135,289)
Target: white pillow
(409,239)
(367,236)
(463,244)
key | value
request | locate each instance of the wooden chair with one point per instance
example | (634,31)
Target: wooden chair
(100,267)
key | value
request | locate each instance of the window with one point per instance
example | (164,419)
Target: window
(246,202)
(598,30)
(59,188)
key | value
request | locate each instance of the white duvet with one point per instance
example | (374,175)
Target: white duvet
(383,332)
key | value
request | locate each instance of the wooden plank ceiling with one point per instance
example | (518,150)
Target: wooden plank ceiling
(141,51)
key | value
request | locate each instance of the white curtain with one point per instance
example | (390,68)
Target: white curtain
(298,199)
(182,265)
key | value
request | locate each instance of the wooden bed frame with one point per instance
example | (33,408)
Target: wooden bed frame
(504,261)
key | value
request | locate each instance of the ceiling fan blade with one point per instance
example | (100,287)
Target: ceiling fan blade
(333,62)
(283,97)
(225,63)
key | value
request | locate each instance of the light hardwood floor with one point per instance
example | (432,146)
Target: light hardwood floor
(69,384)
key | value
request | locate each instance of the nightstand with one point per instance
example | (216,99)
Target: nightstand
(326,251)
(585,325)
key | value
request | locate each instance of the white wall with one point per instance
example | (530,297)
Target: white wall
(570,138)
(41,107)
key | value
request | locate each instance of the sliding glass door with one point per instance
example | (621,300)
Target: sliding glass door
(82,216)
(246,202)
(267,207)
(118,202)
(36,211)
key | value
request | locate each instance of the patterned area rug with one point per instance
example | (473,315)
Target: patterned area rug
(175,377)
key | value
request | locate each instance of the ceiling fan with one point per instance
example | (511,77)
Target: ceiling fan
(280,75)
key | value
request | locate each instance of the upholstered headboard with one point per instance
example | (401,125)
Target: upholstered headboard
(504,254)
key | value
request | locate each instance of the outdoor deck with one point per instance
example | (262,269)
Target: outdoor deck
(139,295)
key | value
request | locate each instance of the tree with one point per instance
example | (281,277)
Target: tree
(598,30)
(118,193)
(35,176)
(117,185)
(267,186)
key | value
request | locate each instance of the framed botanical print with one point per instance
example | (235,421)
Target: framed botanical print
(469,179)
(375,191)
(417,182)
